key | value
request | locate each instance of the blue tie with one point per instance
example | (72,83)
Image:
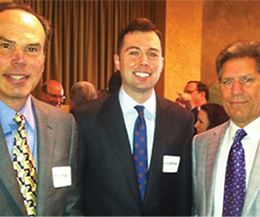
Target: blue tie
(235,181)
(140,150)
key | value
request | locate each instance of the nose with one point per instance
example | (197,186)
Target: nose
(237,87)
(18,58)
(196,125)
(144,60)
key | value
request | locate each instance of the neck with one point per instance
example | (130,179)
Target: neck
(140,96)
(15,104)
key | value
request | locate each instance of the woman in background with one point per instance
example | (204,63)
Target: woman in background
(210,115)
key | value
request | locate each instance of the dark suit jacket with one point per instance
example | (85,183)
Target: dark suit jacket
(109,181)
(57,146)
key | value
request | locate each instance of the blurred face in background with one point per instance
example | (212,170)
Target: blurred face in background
(22,56)
(203,122)
(140,63)
(54,93)
(196,96)
(240,90)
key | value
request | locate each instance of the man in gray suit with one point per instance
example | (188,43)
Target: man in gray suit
(220,186)
(51,135)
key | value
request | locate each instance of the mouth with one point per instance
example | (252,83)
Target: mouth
(234,103)
(142,74)
(17,77)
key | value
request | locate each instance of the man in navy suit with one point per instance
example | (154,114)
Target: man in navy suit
(110,184)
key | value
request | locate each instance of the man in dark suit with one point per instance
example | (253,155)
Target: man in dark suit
(38,142)
(108,150)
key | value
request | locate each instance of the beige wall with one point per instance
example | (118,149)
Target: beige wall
(182,45)
(196,31)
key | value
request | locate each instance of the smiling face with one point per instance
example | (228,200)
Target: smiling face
(21,56)
(240,89)
(140,63)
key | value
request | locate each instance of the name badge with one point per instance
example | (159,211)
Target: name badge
(170,163)
(61,176)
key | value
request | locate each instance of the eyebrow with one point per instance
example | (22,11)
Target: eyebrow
(134,47)
(13,42)
(7,40)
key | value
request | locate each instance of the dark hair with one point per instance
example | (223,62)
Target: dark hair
(46,25)
(216,114)
(238,50)
(201,87)
(139,24)
(114,82)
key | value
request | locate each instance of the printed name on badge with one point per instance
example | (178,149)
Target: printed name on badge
(170,163)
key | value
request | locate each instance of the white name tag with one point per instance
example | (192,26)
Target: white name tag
(61,176)
(170,163)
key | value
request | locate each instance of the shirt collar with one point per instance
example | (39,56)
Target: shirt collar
(27,111)
(127,104)
(7,114)
(251,130)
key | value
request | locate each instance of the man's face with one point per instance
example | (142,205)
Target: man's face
(240,90)
(192,89)
(21,55)
(140,62)
(54,95)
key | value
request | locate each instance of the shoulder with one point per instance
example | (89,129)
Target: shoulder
(210,136)
(94,107)
(45,111)
(170,108)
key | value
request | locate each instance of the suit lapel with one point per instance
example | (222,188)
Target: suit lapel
(156,161)
(8,176)
(112,114)
(214,141)
(45,140)
(253,184)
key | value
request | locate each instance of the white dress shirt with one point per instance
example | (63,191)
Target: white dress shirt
(130,114)
(250,143)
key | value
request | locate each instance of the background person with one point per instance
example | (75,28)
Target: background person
(81,93)
(210,115)
(52,92)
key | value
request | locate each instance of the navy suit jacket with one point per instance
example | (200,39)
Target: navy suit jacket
(109,181)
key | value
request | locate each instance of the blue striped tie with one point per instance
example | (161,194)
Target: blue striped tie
(140,150)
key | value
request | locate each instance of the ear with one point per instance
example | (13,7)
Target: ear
(117,62)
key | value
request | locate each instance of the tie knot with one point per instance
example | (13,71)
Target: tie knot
(19,119)
(240,134)
(140,109)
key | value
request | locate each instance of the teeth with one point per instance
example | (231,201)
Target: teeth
(142,74)
(17,77)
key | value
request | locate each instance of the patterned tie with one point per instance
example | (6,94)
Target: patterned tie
(24,167)
(235,181)
(140,150)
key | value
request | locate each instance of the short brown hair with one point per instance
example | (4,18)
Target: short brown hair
(238,50)
(139,24)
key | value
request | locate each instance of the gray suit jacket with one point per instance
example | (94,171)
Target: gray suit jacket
(57,146)
(204,156)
